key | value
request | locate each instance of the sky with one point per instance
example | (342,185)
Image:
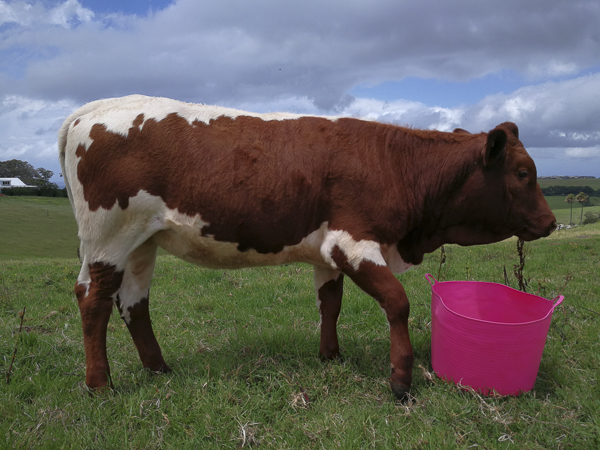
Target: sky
(433,64)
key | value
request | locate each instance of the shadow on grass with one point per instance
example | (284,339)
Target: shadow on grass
(287,357)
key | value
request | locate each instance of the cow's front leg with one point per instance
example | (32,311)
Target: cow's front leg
(376,279)
(95,289)
(329,286)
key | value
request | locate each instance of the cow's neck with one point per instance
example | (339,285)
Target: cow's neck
(443,162)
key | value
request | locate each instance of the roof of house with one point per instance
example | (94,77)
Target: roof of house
(13,182)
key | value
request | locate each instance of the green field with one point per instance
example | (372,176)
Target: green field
(594,183)
(562,209)
(37,227)
(243,345)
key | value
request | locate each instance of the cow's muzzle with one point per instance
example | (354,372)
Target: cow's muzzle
(531,234)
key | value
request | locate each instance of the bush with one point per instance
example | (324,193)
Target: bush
(35,192)
(591,217)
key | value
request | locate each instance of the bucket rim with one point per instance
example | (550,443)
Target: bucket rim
(555,302)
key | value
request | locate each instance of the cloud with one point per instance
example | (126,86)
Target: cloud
(67,14)
(562,114)
(584,153)
(552,114)
(70,13)
(236,51)
(305,57)
(28,130)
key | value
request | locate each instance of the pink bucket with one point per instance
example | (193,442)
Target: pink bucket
(488,336)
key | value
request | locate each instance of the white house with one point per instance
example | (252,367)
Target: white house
(11,183)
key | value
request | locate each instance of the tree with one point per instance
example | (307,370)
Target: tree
(581,198)
(43,181)
(15,168)
(570,200)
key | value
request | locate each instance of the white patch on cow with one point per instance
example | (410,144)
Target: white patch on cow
(183,239)
(393,259)
(84,277)
(111,235)
(356,251)
(323,275)
(137,277)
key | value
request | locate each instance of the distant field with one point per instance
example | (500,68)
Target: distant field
(562,212)
(37,227)
(594,183)
(558,202)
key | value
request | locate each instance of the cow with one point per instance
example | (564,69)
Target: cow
(226,189)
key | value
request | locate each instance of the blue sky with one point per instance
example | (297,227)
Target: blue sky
(428,64)
(138,7)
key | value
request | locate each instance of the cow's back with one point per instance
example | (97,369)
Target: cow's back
(258,181)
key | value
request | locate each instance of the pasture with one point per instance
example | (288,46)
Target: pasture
(37,227)
(594,183)
(562,209)
(243,345)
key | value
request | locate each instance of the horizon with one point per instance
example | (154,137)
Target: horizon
(429,65)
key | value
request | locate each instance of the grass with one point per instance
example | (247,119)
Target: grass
(594,183)
(36,227)
(562,209)
(243,345)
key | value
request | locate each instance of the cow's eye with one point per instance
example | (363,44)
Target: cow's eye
(523,174)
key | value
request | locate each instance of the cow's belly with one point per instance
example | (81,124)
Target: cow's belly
(186,242)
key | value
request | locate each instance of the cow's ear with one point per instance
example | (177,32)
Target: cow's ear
(460,131)
(495,149)
(512,127)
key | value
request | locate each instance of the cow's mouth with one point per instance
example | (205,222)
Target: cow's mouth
(527,234)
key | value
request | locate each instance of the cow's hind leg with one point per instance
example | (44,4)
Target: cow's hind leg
(133,304)
(329,288)
(97,284)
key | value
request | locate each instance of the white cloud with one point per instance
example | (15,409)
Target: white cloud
(583,152)
(36,14)
(554,114)
(71,10)
(305,57)
(238,51)
(28,130)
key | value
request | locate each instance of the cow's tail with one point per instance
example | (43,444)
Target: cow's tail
(62,146)
(63,136)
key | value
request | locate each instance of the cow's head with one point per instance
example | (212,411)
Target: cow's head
(501,197)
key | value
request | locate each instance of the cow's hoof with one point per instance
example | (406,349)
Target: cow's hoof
(160,369)
(331,356)
(99,390)
(401,391)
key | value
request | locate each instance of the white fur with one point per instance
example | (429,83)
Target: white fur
(323,275)
(356,252)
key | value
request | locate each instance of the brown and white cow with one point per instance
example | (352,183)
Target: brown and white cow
(227,189)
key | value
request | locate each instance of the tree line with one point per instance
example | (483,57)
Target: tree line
(39,178)
(566,190)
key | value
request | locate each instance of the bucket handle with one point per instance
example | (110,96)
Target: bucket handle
(559,300)
(430,277)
